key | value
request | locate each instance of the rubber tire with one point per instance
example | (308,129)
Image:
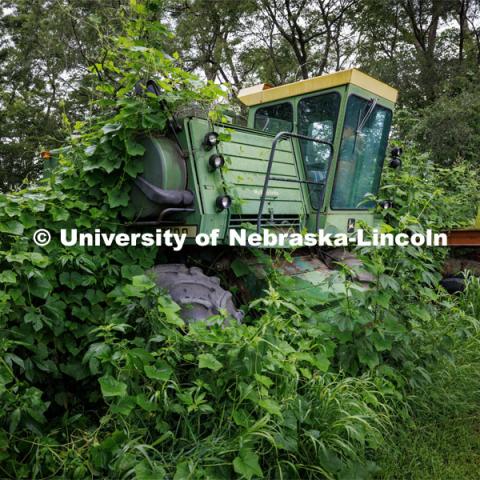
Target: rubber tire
(453,284)
(198,295)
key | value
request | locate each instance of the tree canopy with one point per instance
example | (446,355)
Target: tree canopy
(428,49)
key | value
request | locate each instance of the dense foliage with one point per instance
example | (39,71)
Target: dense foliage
(101,378)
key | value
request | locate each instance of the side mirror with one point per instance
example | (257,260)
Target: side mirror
(395,155)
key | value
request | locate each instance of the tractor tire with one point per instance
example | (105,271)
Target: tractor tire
(453,284)
(198,295)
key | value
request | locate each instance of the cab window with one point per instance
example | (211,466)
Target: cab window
(274,118)
(317,118)
(362,151)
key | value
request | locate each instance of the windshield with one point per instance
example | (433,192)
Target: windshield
(317,118)
(361,153)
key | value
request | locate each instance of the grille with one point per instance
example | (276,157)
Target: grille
(268,221)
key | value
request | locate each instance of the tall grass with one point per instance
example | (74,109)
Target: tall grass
(440,439)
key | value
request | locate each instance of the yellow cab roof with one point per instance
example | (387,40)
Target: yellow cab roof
(264,93)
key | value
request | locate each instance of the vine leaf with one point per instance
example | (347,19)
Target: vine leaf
(246,464)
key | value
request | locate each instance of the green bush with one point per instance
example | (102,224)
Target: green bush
(448,128)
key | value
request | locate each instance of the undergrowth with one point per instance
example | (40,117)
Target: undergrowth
(440,436)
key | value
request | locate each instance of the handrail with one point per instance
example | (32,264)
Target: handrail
(282,136)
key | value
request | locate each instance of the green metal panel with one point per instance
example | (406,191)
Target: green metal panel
(250,146)
(205,185)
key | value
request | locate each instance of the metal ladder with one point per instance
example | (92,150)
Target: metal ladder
(283,136)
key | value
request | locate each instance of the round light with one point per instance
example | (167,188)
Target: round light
(223,202)
(395,155)
(210,140)
(216,161)
(396,152)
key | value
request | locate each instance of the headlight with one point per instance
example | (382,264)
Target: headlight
(216,161)
(210,140)
(386,204)
(395,155)
(395,162)
(223,202)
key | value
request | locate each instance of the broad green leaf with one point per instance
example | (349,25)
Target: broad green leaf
(246,464)
(39,287)
(264,380)
(35,319)
(420,312)
(71,279)
(130,271)
(240,417)
(149,470)
(368,357)
(12,210)
(39,260)
(28,220)
(3,440)
(133,167)
(112,387)
(160,372)
(75,370)
(90,150)
(322,362)
(170,310)
(59,214)
(8,276)
(383,299)
(271,406)
(183,471)
(118,197)
(240,268)
(111,127)
(12,227)
(15,417)
(142,281)
(143,402)
(133,148)
(109,163)
(380,342)
(207,360)
(124,405)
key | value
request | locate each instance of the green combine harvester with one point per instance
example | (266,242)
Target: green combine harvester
(310,153)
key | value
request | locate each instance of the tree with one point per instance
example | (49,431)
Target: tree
(46,50)
(209,36)
(312,29)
